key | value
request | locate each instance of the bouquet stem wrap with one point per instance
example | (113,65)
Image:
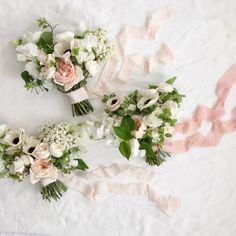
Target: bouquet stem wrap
(79,102)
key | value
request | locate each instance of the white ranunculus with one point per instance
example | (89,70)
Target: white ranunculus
(14,138)
(30,145)
(56,150)
(31,37)
(17,166)
(92,67)
(28,50)
(149,98)
(134,143)
(3,129)
(32,68)
(165,87)
(152,119)
(42,151)
(172,106)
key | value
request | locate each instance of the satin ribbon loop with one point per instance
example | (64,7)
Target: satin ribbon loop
(78,95)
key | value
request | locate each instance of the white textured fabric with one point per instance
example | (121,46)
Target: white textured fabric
(202,35)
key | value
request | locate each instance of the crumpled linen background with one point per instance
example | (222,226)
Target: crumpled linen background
(201,35)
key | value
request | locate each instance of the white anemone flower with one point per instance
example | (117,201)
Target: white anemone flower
(14,138)
(30,145)
(149,98)
(63,43)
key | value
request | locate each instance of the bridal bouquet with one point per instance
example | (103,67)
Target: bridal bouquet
(56,150)
(141,122)
(63,60)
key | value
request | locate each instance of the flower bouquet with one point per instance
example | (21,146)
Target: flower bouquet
(141,122)
(65,60)
(56,150)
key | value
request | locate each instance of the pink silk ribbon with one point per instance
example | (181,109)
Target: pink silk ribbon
(213,115)
(78,95)
(83,184)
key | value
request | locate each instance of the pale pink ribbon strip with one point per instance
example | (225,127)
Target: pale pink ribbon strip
(83,184)
(213,115)
(125,63)
(78,95)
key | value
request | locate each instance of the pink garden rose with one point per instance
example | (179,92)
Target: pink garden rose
(41,169)
(140,127)
(67,74)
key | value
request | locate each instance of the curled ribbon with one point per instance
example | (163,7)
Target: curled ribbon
(82,184)
(78,95)
(213,115)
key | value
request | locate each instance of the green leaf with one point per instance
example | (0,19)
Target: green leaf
(75,52)
(128,123)
(148,147)
(26,77)
(171,81)
(46,42)
(81,165)
(122,133)
(125,149)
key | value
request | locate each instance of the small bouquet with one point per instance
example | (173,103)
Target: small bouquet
(141,122)
(56,150)
(65,60)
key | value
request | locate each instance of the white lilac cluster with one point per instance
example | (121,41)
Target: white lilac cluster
(40,157)
(142,121)
(64,135)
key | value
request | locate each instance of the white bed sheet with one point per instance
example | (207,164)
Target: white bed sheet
(202,35)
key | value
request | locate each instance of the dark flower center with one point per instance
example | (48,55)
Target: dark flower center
(147,101)
(15,140)
(68,50)
(113,102)
(31,149)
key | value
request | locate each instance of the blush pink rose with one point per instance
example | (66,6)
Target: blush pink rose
(67,74)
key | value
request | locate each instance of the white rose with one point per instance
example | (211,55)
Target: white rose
(149,98)
(165,87)
(32,68)
(42,151)
(17,166)
(152,120)
(92,67)
(3,129)
(172,106)
(56,150)
(134,143)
